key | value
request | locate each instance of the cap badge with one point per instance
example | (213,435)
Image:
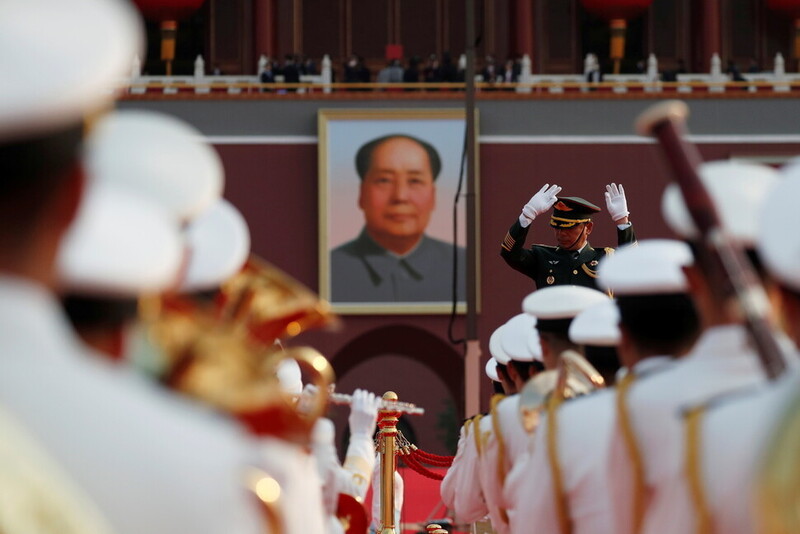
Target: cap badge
(560,206)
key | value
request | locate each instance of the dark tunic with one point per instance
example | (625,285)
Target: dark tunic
(548,265)
(363,271)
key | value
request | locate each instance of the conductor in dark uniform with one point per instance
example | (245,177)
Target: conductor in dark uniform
(573,260)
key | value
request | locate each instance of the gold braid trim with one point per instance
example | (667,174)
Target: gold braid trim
(467,424)
(694,473)
(509,242)
(359,467)
(632,447)
(588,271)
(562,507)
(572,222)
(501,447)
(476,425)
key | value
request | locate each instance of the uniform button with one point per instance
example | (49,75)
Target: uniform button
(575,271)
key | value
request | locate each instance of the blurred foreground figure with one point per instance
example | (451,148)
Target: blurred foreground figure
(756,427)
(149,460)
(47,93)
(648,456)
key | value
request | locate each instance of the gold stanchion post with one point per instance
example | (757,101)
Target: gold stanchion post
(387,422)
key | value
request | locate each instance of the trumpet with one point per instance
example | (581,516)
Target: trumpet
(387,405)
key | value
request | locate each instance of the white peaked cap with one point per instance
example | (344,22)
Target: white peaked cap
(597,325)
(779,223)
(290,377)
(120,245)
(159,156)
(738,191)
(219,244)
(61,61)
(491,369)
(561,302)
(496,346)
(535,343)
(515,336)
(652,267)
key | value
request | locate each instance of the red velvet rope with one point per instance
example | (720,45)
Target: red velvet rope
(434,459)
(420,458)
(412,462)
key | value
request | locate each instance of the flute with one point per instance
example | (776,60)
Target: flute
(397,406)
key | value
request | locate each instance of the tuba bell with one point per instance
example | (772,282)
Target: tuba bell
(222,349)
(574,377)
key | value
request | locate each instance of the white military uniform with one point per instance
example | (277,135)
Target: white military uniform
(734,435)
(461,490)
(120,438)
(584,420)
(353,478)
(735,430)
(721,361)
(35,494)
(505,438)
(582,439)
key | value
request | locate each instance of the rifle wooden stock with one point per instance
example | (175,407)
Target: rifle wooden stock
(725,262)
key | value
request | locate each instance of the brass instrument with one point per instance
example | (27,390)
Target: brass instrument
(221,350)
(271,304)
(575,376)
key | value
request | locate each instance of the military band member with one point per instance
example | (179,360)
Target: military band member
(354,477)
(460,491)
(573,261)
(150,461)
(722,360)
(736,430)
(554,309)
(504,439)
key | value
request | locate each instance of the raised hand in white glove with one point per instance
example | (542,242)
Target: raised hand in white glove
(615,202)
(539,203)
(363,413)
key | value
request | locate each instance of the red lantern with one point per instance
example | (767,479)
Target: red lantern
(616,9)
(792,8)
(168,13)
(617,12)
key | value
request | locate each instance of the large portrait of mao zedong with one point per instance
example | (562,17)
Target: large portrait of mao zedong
(392,236)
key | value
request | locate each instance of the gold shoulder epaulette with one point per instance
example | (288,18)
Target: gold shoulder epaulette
(609,251)
(467,424)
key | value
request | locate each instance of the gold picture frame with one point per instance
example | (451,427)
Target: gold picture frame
(358,273)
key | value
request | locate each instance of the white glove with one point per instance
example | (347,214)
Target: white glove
(539,203)
(363,413)
(615,202)
(307,398)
